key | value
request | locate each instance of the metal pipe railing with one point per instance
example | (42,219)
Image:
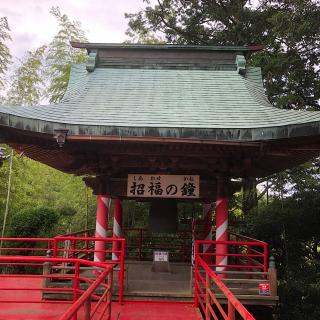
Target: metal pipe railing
(80,297)
(205,297)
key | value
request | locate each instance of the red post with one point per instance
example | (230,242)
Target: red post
(207,232)
(221,227)
(109,295)
(76,285)
(103,207)
(117,229)
(265,257)
(73,248)
(195,277)
(55,248)
(121,272)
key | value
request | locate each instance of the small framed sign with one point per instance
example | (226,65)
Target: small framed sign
(264,289)
(161,256)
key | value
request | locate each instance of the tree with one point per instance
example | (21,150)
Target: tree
(33,222)
(27,87)
(61,55)
(5,56)
(290,31)
(290,225)
(34,184)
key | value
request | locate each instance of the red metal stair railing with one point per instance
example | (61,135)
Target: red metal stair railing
(80,247)
(247,259)
(247,255)
(206,297)
(85,301)
(93,293)
(85,246)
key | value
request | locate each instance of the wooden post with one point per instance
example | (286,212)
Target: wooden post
(46,270)
(272,271)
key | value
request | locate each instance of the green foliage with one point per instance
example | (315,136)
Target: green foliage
(27,87)
(34,184)
(290,31)
(5,57)
(33,222)
(196,22)
(37,185)
(61,55)
(290,225)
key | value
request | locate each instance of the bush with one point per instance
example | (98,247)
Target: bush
(34,222)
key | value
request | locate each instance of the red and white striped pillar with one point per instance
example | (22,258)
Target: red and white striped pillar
(103,208)
(207,230)
(221,227)
(117,229)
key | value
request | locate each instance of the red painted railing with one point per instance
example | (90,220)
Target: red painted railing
(206,298)
(78,295)
(26,246)
(141,242)
(72,246)
(247,255)
(67,247)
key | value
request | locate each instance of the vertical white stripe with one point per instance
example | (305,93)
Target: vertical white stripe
(100,230)
(117,229)
(218,202)
(221,230)
(223,262)
(105,200)
(115,256)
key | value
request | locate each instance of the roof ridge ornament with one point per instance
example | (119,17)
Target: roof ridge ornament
(241,64)
(92,61)
(60,135)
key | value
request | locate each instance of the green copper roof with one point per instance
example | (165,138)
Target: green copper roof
(214,103)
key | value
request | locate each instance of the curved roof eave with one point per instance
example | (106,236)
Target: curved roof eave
(209,104)
(217,134)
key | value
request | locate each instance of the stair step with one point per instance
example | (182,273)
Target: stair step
(158,296)
(226,280)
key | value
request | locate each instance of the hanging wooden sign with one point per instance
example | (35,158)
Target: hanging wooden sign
(163,186)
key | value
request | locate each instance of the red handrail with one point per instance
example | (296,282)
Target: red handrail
(206,298)
(85,299)
(104,299)
(141,241)
(79,245)
(108,241)
(253,254)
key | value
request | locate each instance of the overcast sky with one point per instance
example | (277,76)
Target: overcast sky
(32,24)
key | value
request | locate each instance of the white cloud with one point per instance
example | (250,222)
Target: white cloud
(32,24)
